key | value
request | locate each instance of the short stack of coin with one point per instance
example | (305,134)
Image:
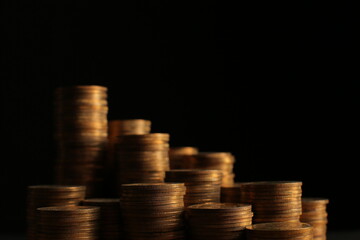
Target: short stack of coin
(110,217)
(314,212)
(64,222)
(49,195)
(180,157)
(231,194)
(153,210)
(280,231)
(142,158)
(225,221)
(223,161)
(202,186)
(81,136)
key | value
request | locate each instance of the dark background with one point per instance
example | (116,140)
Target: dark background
(276,85)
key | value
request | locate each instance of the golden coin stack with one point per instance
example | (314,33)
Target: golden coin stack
(231,194)
(81,136)
(280,231)
(225,221)
(49,195)
(223,161)
(273,201)
(202,186)
(110,227)
(180,157)
(64,222)
(314,212)
(142,158)
(153,211)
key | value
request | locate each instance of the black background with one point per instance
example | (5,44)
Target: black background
(274,84)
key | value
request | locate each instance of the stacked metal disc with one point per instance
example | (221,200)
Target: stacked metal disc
(153,211)
(223,161)
(180,157)
(64,222)
(202,186)
(142,158)
(314,212)
(110,227)
(49,195)
(225,221)
(273,201)
(232,194)
(280,231)
(81,136)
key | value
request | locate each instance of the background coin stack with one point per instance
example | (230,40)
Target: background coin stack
(49,195)
(110,218)
(201,185)
(81,136)
(153,211)
(64,222)
(180,157)
(225,221)
(232,194)
(314,212)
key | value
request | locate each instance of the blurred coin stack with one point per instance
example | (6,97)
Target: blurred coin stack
(202,186)
(110,227)
(225,221)
(46,196)
(153,211)
(64,222)
(180,157)
(231,194)
(81,136)
(314,212)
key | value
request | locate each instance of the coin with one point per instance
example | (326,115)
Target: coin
(280,231)
(314,212)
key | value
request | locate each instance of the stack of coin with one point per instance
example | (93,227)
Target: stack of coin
(81,136)
(49,195)
(202,186)
(64,222)
(314,212)
(280,231)
(273,201)
(223,161)
(110,218)
(142,158)
(226,221)
(180,157)
(153,210)
(231,194)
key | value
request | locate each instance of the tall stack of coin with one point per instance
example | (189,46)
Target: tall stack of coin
(223,161)
(142,158)
(226,221)
(202,186)
(180,157)
(153,211)
(231,194)
(110,218)
(49,195)
(81,136)
(314,212)
(64,222)
(280,231)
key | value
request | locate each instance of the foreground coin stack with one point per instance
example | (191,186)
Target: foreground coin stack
(81,136)
(49,195)
(225,221)
(110,227)
(65,222)
(231,194)
(280,231)
(180,157)
(314,212)
(153,211)
(202,186)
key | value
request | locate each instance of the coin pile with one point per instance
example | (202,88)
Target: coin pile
(314,212)
(225,221)
(64,222)
(153,211)
(142,158)
(223,161)
(110,218)
(81,136)
(280,231)
(202,186)
(231,194)
(49,195)
(180,157)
